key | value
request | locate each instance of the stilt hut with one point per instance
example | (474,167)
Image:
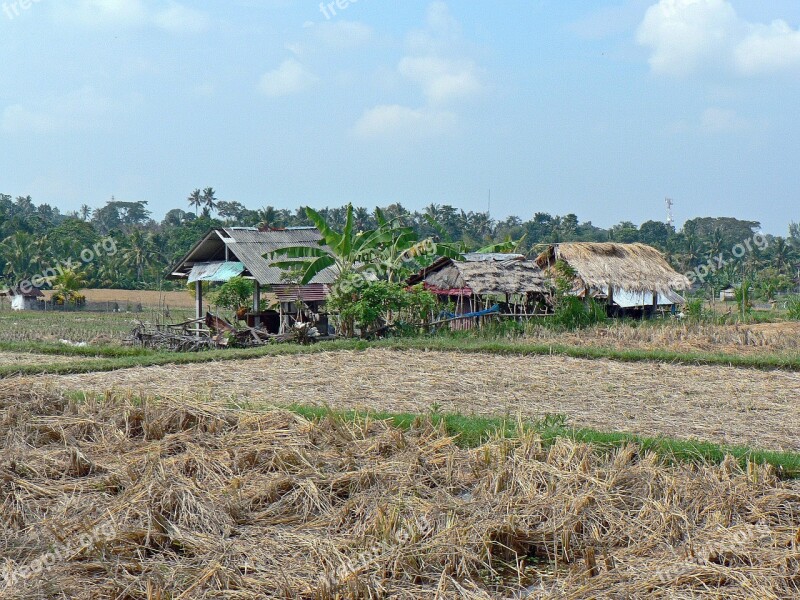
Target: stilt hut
(243,251)
(486,284)
(631,279)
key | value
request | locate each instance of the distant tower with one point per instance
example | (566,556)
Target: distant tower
(670,216)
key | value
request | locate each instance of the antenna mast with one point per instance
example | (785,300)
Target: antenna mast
(670,216)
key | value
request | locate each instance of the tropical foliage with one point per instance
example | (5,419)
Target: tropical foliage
(34,238)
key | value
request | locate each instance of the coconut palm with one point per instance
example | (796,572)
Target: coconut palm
(67,285)
(209,200)
(140,253)
(196,200)
(782,253)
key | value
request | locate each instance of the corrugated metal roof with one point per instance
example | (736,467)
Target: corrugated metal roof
(252,248)
(253,256)
(492,257)
(216,271)
(278,238)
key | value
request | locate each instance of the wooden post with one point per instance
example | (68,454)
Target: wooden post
(256,303)
(655,303)
(611,311)
(198,291)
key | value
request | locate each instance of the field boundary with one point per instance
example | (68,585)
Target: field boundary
(117,358)
(472,432)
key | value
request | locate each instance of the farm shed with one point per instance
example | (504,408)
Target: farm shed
(28,300)
(483,284)
(232,251)
(631,279)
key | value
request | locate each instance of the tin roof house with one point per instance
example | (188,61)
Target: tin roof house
(228,252)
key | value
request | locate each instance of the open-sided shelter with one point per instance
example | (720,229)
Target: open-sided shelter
(508,282)
(628,277)
(249,252)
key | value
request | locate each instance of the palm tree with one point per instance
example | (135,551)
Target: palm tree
(782,254)
(267,217)
(16,251)
(85,212)
(362,217)
(210,199)
(67,284)
(196,200)
(716,243)
(140,253)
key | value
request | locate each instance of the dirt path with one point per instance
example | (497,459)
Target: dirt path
(720,404)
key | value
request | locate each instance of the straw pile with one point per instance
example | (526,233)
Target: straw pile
(632,267)
(118,500)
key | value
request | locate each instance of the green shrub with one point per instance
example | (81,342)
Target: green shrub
(575,313)
(372,306)
(234,294)
(793,308)
(695,309)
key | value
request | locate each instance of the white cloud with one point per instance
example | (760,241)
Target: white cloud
(769,48)
(102,13)
(442,80)
(177,18)
(395,120)
(77,110)
(435,64)
(441,31)
(686,36)
(343,34)
(170,16)
(722,120)
(289,78)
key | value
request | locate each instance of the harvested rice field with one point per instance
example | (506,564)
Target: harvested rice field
(737,339)
(732,406)
(175,500)
(25,359)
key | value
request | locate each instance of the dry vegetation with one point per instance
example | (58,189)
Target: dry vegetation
(93,328)
(181,501)
(765,338)
(18,359)
(179,299)
(726,405)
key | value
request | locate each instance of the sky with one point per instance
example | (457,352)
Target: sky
(602,108)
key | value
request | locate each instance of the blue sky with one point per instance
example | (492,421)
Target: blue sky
(596,108)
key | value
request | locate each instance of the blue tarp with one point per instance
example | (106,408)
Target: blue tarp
(217,271)
(489,311)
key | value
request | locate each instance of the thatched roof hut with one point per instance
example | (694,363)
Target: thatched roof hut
(634,268)
(483,275)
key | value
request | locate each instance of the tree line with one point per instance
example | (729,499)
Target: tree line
(34,237)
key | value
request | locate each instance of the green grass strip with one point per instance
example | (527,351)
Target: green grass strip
(56,349)
(114,358)
(474,431)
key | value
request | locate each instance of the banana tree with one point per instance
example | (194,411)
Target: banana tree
(381,251)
